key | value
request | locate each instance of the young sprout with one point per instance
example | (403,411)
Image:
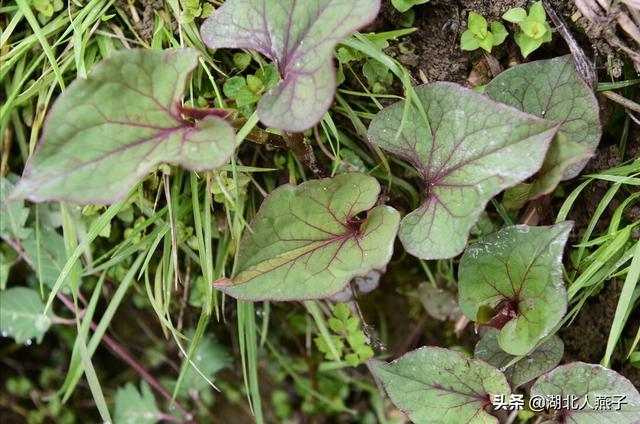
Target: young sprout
(480,34)
(534,26)
(404,5)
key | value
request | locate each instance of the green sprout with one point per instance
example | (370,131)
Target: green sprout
(535,28)
(405,5)
(481,34)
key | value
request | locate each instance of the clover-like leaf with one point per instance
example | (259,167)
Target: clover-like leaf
(308,241)
(299,36)
(108,131)
(471,149)
(541,360)
(552,89)
(594,394)
(515,275)
(440,386)
(136,407)
(22,315)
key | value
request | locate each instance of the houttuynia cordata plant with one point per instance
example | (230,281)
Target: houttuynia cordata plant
(233,180)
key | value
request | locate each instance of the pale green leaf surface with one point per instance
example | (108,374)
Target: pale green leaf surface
(306,242)
(518,272)
(541,360)
(553,89)
(440,386)
(135,407)
(299,36)
(21,315)
(476,149)
(108,131)
(588,382)
(13,214)
(49,257)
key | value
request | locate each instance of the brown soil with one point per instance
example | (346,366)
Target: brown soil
(432,53)
(586,338)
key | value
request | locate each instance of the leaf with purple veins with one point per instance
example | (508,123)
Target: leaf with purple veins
(309,241)
(108,131)
(299,36)
(470,149)
(440,386)
(518,273)
(553,89)
(544,358)
(596,395)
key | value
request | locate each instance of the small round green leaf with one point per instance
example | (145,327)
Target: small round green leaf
(299,36)
(517,273)
(596,394)
(541,360)
(108,131)
(515,15)
(440,386)
(469,149)
(308,241)
(22,315)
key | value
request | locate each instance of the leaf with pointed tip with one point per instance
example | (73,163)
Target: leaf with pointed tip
(590,385)
(22,315)
(552,89)
(108,131)
(471,149)
(518,273)
(307,242)
(439,386)
(541,360)
(299,36)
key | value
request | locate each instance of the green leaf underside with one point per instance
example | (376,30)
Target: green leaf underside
(299,36)
(588,381)
(109,131)
(306,242)
(133,407)
(48,256)
(476,148)
(21,315)
(517,269)
(541,360)
(434,385)
(552,89)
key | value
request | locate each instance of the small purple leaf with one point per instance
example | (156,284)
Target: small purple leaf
(299,36)
(471,149)
(108,131)
(309,241)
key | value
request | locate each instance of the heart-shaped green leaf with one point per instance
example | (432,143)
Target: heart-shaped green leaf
(552,89)
(307,241)
(299,36)
(594,395)
(471,149)
(517,273)
(541,360)
(21,315)
(440,386)
(136,407)
(110,130)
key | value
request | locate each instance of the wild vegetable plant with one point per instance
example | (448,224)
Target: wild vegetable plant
(534,28)
(481,34)
(309,241)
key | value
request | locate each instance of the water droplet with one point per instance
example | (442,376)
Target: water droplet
(28,342)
